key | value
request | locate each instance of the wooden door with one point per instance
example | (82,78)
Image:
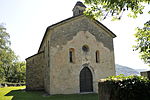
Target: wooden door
(86,80)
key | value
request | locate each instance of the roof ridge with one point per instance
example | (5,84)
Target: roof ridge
(79,3)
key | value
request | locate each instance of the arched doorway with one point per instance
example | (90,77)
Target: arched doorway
(86,80)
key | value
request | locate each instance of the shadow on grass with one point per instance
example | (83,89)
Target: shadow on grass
(40,95)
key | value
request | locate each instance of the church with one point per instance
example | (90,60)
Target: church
(73,55)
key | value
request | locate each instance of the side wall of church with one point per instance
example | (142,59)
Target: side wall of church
(35,72)
(64,75)
(46,56)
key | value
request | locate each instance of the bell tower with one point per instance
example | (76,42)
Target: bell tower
(78,9)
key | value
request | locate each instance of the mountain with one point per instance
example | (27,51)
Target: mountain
(126,70)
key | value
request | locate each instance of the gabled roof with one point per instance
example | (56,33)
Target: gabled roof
(79,3)
(72,18)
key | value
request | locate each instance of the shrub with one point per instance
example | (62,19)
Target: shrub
(130,87)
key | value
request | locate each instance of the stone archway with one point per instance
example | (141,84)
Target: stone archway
(86,80)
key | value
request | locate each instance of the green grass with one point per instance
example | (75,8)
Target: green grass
(18,93)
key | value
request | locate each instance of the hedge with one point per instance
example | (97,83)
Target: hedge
(124,88)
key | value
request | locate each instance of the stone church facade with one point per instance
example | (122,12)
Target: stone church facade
(74,54)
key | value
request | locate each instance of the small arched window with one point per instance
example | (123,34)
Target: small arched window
(71,55)
(97,56)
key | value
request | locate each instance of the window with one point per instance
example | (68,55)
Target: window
(85,48)
(97,56)
(71,55)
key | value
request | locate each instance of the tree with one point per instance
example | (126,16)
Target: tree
(17,73)
(115,8)
(4,38)
(8,57)
(6,54)
(143,42)
(11,69)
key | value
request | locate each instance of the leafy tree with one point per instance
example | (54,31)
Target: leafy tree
(5,51)
(7,58)
(11,69)
(17,73)
(4,38)
(143,42)
(115,9)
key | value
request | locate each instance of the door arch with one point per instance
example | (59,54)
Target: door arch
(86,80)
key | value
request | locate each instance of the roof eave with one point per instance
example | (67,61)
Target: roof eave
(34,55)
(64,21)
(111,33)
(52,26)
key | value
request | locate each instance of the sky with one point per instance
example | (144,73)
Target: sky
(26,22)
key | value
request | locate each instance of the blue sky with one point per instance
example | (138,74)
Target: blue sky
(27,20)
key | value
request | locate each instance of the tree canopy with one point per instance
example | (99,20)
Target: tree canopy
(143,42)
(115,8)
(4,38)
(10,66)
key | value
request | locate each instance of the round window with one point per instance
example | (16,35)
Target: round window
(85,48)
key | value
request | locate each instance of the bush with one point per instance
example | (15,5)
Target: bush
(130,87)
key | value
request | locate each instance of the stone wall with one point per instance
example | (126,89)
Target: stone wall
(65,32)
(64,76)
(146,74)
(106,91)
(34,72)
(52,70)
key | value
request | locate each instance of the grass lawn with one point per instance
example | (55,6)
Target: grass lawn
(18,93)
